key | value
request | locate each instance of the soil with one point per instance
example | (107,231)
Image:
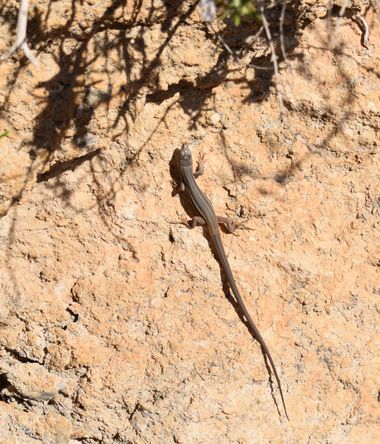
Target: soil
(116,322)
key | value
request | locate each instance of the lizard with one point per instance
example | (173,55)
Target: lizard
(209,218)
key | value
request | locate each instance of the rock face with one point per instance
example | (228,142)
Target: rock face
(114,323)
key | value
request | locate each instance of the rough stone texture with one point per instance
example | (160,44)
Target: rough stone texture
(114,323)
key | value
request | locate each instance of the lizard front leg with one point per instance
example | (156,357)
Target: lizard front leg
(199,171)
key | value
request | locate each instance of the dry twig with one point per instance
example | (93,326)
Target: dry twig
(274,62)
(282,41)
(20,42)
(360,19)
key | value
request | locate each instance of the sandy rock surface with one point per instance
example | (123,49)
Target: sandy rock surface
(114,324)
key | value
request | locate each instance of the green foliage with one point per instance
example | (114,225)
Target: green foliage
(5,133)
(237,9)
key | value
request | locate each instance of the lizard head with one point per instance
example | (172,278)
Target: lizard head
(186,158)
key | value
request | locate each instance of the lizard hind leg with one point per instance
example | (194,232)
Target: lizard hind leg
(195,221)
(192,223)
(227,222)
(177,188)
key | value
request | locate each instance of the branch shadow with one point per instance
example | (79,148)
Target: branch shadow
(260,87)
(70,99)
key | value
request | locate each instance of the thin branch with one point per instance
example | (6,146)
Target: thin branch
(20,42)
(233,54)
(251,39)
(282,41)
(343,8)
(274,62)
(222,41)
(360,19)
(260,68)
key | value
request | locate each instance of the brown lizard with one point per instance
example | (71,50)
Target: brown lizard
(208,217)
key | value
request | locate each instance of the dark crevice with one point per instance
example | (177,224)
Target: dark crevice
(4,383)
(74,316)
(24,359)
(9,394)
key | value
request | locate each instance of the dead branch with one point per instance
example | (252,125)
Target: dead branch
(20,41)
(282,40)
(360,19)
(274,62)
